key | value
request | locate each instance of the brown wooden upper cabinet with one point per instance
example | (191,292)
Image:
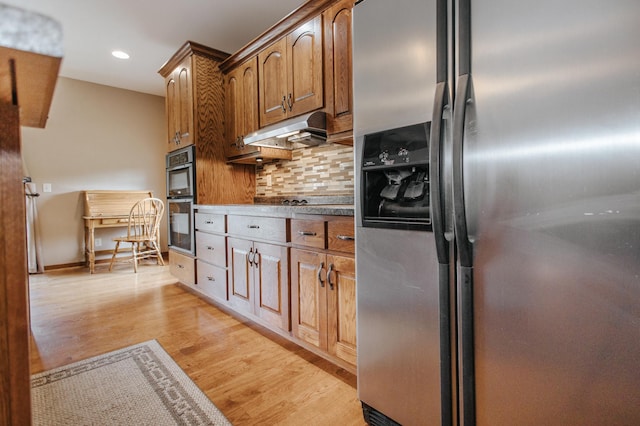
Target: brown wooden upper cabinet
(241,92)
(179,106)
(290,74)
(195,105)
(339,71)
(301,64)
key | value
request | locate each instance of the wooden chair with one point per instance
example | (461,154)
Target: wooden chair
(143,232)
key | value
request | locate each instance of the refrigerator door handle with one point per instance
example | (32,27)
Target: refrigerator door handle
(436,157)
(439,212)
(459,113)
(465,253)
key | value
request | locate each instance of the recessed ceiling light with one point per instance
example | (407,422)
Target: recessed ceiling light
(120,54)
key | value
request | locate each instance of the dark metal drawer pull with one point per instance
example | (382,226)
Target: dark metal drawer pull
(307,233)
(211,278)
(210,248)
(253,226)
(209,222)
(346,238)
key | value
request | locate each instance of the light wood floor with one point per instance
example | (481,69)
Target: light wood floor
(252,375)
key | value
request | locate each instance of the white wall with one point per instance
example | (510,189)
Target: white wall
(97,137)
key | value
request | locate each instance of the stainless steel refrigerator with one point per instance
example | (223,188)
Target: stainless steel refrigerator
(511,296)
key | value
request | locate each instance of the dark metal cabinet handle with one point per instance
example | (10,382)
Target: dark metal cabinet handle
(329,271)
(180,266)
(250,257)
(290,102)
(210,248)
(307,233)
(209,222)
(256,259)
(345,238)
(210,278)
(284,100)
(320,274)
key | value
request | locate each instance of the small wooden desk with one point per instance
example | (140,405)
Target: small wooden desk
(106,209)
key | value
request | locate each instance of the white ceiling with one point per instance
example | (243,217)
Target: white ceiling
(151,31)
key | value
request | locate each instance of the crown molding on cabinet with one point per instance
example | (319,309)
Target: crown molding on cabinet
(191,47)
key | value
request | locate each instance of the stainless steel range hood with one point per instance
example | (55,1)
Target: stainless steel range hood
(298,132)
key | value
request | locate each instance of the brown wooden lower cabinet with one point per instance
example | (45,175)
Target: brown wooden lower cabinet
(258,281)
(293,276)
(323,302)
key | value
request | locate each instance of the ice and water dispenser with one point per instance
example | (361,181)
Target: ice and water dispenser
(395,178)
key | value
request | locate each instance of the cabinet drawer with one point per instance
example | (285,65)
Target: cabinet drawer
(341,235)
(210,222)
(309,233)
(260,228)
(211,248)
(212,281)
(182,267)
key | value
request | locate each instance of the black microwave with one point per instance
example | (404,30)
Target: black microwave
(181,172)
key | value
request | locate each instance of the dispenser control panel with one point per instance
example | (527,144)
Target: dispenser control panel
(395,178)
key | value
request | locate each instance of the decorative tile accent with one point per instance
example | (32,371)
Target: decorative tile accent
(321,170)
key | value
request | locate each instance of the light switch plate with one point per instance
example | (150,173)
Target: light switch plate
(46,187)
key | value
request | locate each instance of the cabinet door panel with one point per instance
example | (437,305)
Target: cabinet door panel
(271,286)
(338,67)
(185,104)
(172,113)
(233,113)
(341,309)
(273,82)
(249,101)
(242,108)
(305,71)
(308,297)
(240,291)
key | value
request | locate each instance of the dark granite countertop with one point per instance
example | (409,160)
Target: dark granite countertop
(292,207)
(279,210)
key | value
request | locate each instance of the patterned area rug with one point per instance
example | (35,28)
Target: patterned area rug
(137,385)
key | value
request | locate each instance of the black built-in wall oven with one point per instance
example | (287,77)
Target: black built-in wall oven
(181,196)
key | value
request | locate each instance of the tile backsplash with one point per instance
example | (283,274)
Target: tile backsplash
(321,170)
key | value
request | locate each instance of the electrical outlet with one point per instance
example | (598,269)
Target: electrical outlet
(46,187)
(269,180)
(98,242)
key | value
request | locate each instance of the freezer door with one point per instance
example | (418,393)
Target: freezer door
(398,324)
(394,62)
(552,187)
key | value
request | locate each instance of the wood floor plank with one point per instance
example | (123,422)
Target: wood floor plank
(252,375)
